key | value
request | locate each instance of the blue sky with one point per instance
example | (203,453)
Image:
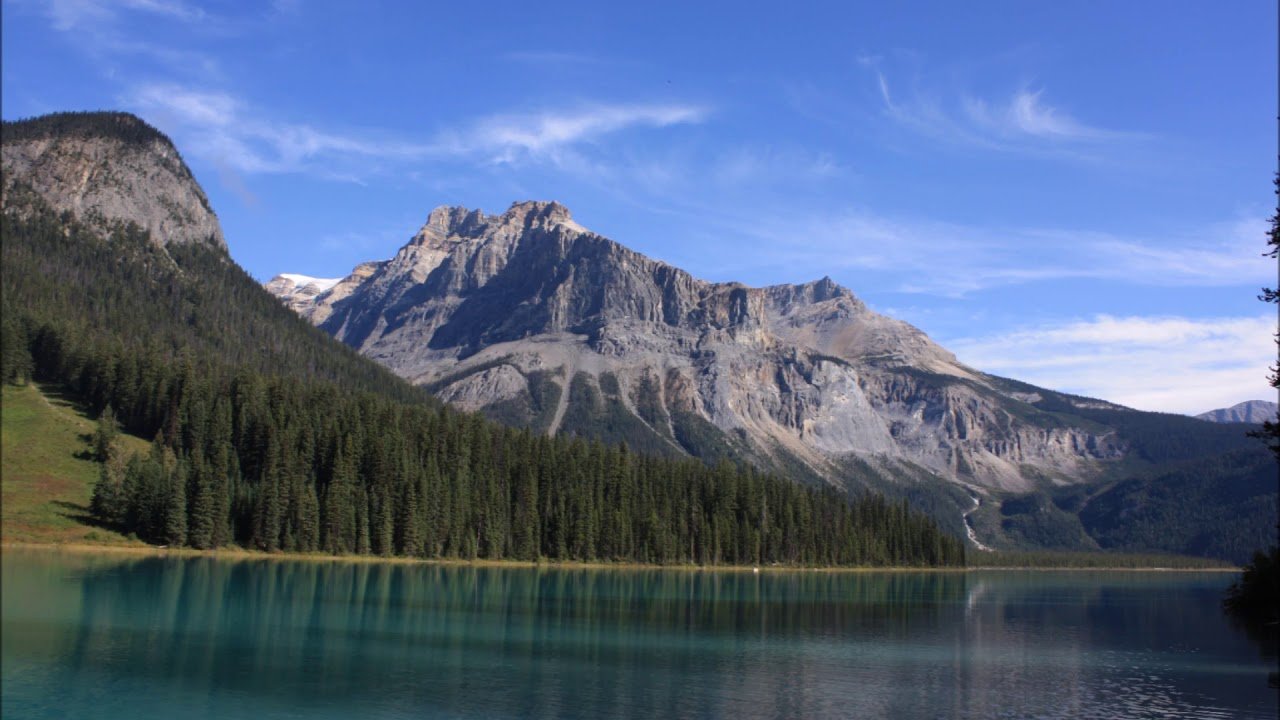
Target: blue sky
(1073,194)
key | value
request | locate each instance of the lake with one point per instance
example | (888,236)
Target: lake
(110,636)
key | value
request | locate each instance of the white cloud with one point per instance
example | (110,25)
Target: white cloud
(545,135)
(1022,122)
(924,115)
(1167,364)
(1026,115)
(242,138)
(223,128)
(194,107)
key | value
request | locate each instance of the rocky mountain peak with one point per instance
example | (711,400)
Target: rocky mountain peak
(449,220)
(106,168)
(533,319)
(531,212)
(817,291)
(447,225)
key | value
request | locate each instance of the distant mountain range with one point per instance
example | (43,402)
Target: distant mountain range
(1250,411)
(534,320)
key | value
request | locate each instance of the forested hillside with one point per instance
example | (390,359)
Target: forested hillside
(271,435)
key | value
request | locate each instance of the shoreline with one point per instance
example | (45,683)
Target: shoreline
(242,554)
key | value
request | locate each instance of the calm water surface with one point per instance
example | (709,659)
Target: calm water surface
(89,636)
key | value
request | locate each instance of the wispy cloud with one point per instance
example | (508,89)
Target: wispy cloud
(1026,114)
(1169,364)
(105,30)
(229,131)
(1023,121)
(85,14)
(754,163)
(226,130)
(509,138)
(952,259)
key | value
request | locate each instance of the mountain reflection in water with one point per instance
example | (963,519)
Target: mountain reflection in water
(99,636)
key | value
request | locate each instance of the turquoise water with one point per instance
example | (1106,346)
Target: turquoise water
(102,637)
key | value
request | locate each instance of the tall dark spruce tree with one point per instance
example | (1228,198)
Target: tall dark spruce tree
(1255,598)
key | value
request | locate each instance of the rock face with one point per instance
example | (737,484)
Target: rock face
(1249,411)
(531,318)
(107,168)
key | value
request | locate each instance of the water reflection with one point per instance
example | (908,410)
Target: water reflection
(197,637)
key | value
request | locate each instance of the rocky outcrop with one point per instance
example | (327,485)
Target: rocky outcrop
(106,169)
(486,310)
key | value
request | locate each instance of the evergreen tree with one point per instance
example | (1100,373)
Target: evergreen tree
(174,528)
(202,517)
(15,356)
(1271,429)
(104,436)
(110,503)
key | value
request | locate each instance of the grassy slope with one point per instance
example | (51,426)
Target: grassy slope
(46,472)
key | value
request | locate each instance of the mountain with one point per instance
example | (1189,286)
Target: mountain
(107,168)
(531,318)
(270,434)
(534,320)
(1254,412)
(103,203)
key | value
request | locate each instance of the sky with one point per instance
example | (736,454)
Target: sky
(1071,194)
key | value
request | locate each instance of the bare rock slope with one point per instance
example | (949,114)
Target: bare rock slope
(107,168)
(531,318)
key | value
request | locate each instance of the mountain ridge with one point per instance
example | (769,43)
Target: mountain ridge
(476,305)
(1250,411)
(531,319)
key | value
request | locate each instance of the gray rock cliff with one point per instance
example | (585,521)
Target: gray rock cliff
(107,168)
(522,315)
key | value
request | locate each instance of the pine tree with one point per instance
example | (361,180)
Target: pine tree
(15,353)
(110,503)
(268,518)
(524,521)
(409,526)
(105,434)
(175,507)
(202,515)
(308,521)
(1270,432)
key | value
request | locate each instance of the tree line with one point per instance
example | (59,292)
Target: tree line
(119,126)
